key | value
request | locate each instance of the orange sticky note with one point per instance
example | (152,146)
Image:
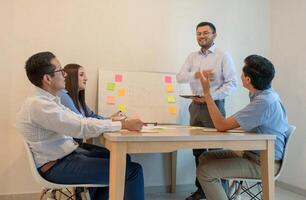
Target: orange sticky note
(118,78)
(172,109)
(121,92)
(110,100)
(121,107)
(169,88)
(171,99)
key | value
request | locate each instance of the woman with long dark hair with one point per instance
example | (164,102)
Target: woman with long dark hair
(73,97)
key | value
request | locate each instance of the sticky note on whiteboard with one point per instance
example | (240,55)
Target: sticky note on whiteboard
(121,107)
(169,88)
(118,78)
(110,100)
(172,109)
(168,79)
(171,99)
(121,92)
(110,86)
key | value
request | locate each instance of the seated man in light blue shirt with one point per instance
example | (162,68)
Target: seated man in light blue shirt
(48,128)
(264,114)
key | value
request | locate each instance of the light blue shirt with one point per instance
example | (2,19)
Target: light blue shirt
(222,65)
(265,114)
(67,101)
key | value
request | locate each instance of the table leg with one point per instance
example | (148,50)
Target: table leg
(173,171)
(117,170)
(267,171)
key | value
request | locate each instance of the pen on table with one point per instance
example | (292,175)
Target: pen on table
(150,123)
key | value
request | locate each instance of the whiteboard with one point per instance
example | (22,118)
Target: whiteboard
(151,96)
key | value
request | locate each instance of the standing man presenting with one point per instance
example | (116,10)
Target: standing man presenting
(220,67)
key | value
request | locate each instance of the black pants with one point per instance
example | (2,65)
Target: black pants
(199,116)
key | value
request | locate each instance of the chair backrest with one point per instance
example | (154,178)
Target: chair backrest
(39,179)
(290,133)
(45,183)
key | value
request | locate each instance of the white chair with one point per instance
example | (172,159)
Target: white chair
(55,187)
(242,183)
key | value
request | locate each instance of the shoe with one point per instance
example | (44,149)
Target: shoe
(197,195)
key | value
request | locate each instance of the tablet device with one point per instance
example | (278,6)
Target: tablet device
(189,96)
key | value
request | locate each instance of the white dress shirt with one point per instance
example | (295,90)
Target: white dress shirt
(221,64)
(49,127)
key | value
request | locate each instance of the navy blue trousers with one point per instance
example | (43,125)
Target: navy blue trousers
(85,167)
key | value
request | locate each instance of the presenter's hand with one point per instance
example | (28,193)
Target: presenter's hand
(132,124)
(198,99)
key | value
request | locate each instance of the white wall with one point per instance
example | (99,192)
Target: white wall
(288,50)
(153,35)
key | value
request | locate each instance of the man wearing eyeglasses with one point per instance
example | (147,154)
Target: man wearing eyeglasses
(220,67)
(49,127)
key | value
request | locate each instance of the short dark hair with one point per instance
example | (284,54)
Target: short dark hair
(260,70)
(213,28)
(38,65)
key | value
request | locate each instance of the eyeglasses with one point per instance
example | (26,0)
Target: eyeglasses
(59,70)
(203,33)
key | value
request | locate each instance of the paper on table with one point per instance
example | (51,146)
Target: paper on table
(215,130)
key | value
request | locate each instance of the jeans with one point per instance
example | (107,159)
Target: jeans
(80,168)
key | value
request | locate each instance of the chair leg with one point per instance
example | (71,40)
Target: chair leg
(43,192)
(85,194)
(59,194)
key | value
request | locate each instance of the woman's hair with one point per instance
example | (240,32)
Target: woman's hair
(72,86)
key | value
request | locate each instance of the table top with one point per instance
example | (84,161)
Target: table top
(184,133)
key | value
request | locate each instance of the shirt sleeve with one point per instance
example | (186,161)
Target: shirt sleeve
(186,75)
(229,78)
(51,116)
(252,115)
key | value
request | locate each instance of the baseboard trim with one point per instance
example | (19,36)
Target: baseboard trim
(164,189)
(291,188)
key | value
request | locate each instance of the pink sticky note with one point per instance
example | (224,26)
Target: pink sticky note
(168,79)
(110,100)
(118,78)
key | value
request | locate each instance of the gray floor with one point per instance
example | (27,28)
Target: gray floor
(281,194)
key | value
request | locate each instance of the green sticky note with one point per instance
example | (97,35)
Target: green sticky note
(110,86)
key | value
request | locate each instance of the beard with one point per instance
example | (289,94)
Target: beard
(206,45)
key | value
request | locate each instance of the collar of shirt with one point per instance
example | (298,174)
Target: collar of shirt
(258,92)
(210,50)
(44,93)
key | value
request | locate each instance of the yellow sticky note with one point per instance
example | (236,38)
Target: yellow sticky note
(171,99)
(169,88)
(121,92)
(110,100)
(110,86)
(121,107)
(172,109)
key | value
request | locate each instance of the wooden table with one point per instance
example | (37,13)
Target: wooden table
(182,137)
